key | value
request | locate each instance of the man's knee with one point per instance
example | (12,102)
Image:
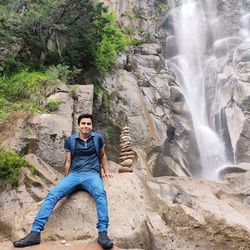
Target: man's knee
(53,195)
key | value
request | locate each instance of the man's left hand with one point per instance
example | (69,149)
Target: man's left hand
(107,174)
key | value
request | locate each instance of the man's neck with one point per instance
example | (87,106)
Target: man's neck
(84,136)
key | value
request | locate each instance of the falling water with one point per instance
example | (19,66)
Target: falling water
(191,22)
(245,24)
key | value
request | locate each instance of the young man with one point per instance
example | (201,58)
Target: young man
(85,156)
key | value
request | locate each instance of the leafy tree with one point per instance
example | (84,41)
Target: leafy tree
(72,32)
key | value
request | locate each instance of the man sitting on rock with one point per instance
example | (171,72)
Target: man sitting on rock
(84,156)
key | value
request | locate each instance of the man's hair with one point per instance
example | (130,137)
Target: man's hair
(84,116)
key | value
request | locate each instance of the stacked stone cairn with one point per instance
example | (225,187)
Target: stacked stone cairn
(126,154)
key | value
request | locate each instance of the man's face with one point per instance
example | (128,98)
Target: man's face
(85,126)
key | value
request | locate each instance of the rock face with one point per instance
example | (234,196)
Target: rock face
(232,99)
(44,134)
(204,213)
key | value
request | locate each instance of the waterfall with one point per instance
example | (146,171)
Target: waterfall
(201,36)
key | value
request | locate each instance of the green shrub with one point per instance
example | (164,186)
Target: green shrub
(9,107)
(113,41)
(10,167)
(53,105)
(73,92)
(62,72)
(2,102)
(162,7)
(23,85)
(96,90)
(106,55)
(24,91)
(13,65)
(105,100)
(34,171)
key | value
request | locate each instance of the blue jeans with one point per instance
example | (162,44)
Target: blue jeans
(89,181)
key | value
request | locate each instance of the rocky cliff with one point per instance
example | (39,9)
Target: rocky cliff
(158,206)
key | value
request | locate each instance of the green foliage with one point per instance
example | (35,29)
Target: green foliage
(147,38)
(24,90)
(105,100)
(110,131)
(76,31)
(62,72)
(138,13)
(162,7)
(105,55)
(13,65)
(10,167)
(73,92)
(113,42)
(22,85)
(129,31)
(96,90)
(33,170)
(53,105)
(9,107)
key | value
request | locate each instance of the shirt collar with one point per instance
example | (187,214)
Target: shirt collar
(77,134)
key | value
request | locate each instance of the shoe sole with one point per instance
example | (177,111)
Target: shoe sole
(21,246)
(106,246)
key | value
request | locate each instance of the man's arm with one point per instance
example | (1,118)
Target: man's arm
(67,163)
(104,163)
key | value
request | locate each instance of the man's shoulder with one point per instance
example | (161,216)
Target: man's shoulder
(98,137)
(97,133)
(72,137)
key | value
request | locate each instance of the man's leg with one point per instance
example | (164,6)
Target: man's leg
(92,182)
(64,187)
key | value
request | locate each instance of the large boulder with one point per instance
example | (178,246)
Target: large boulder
(75,217)
(206,213)
(18,206)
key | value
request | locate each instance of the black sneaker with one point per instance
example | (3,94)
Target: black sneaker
(33,238)
(104,240)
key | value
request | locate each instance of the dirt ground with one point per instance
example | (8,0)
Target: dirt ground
(57,245)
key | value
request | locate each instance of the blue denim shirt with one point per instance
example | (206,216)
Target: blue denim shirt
(85,156)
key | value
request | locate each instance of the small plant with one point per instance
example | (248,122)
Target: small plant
(141,30)
(96,90)
(53,105)
(138,13)
(10,167)
(73,92)
(62,72)
(110,131)
(105,100)
(129,31)
(34,170)
(162,7)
